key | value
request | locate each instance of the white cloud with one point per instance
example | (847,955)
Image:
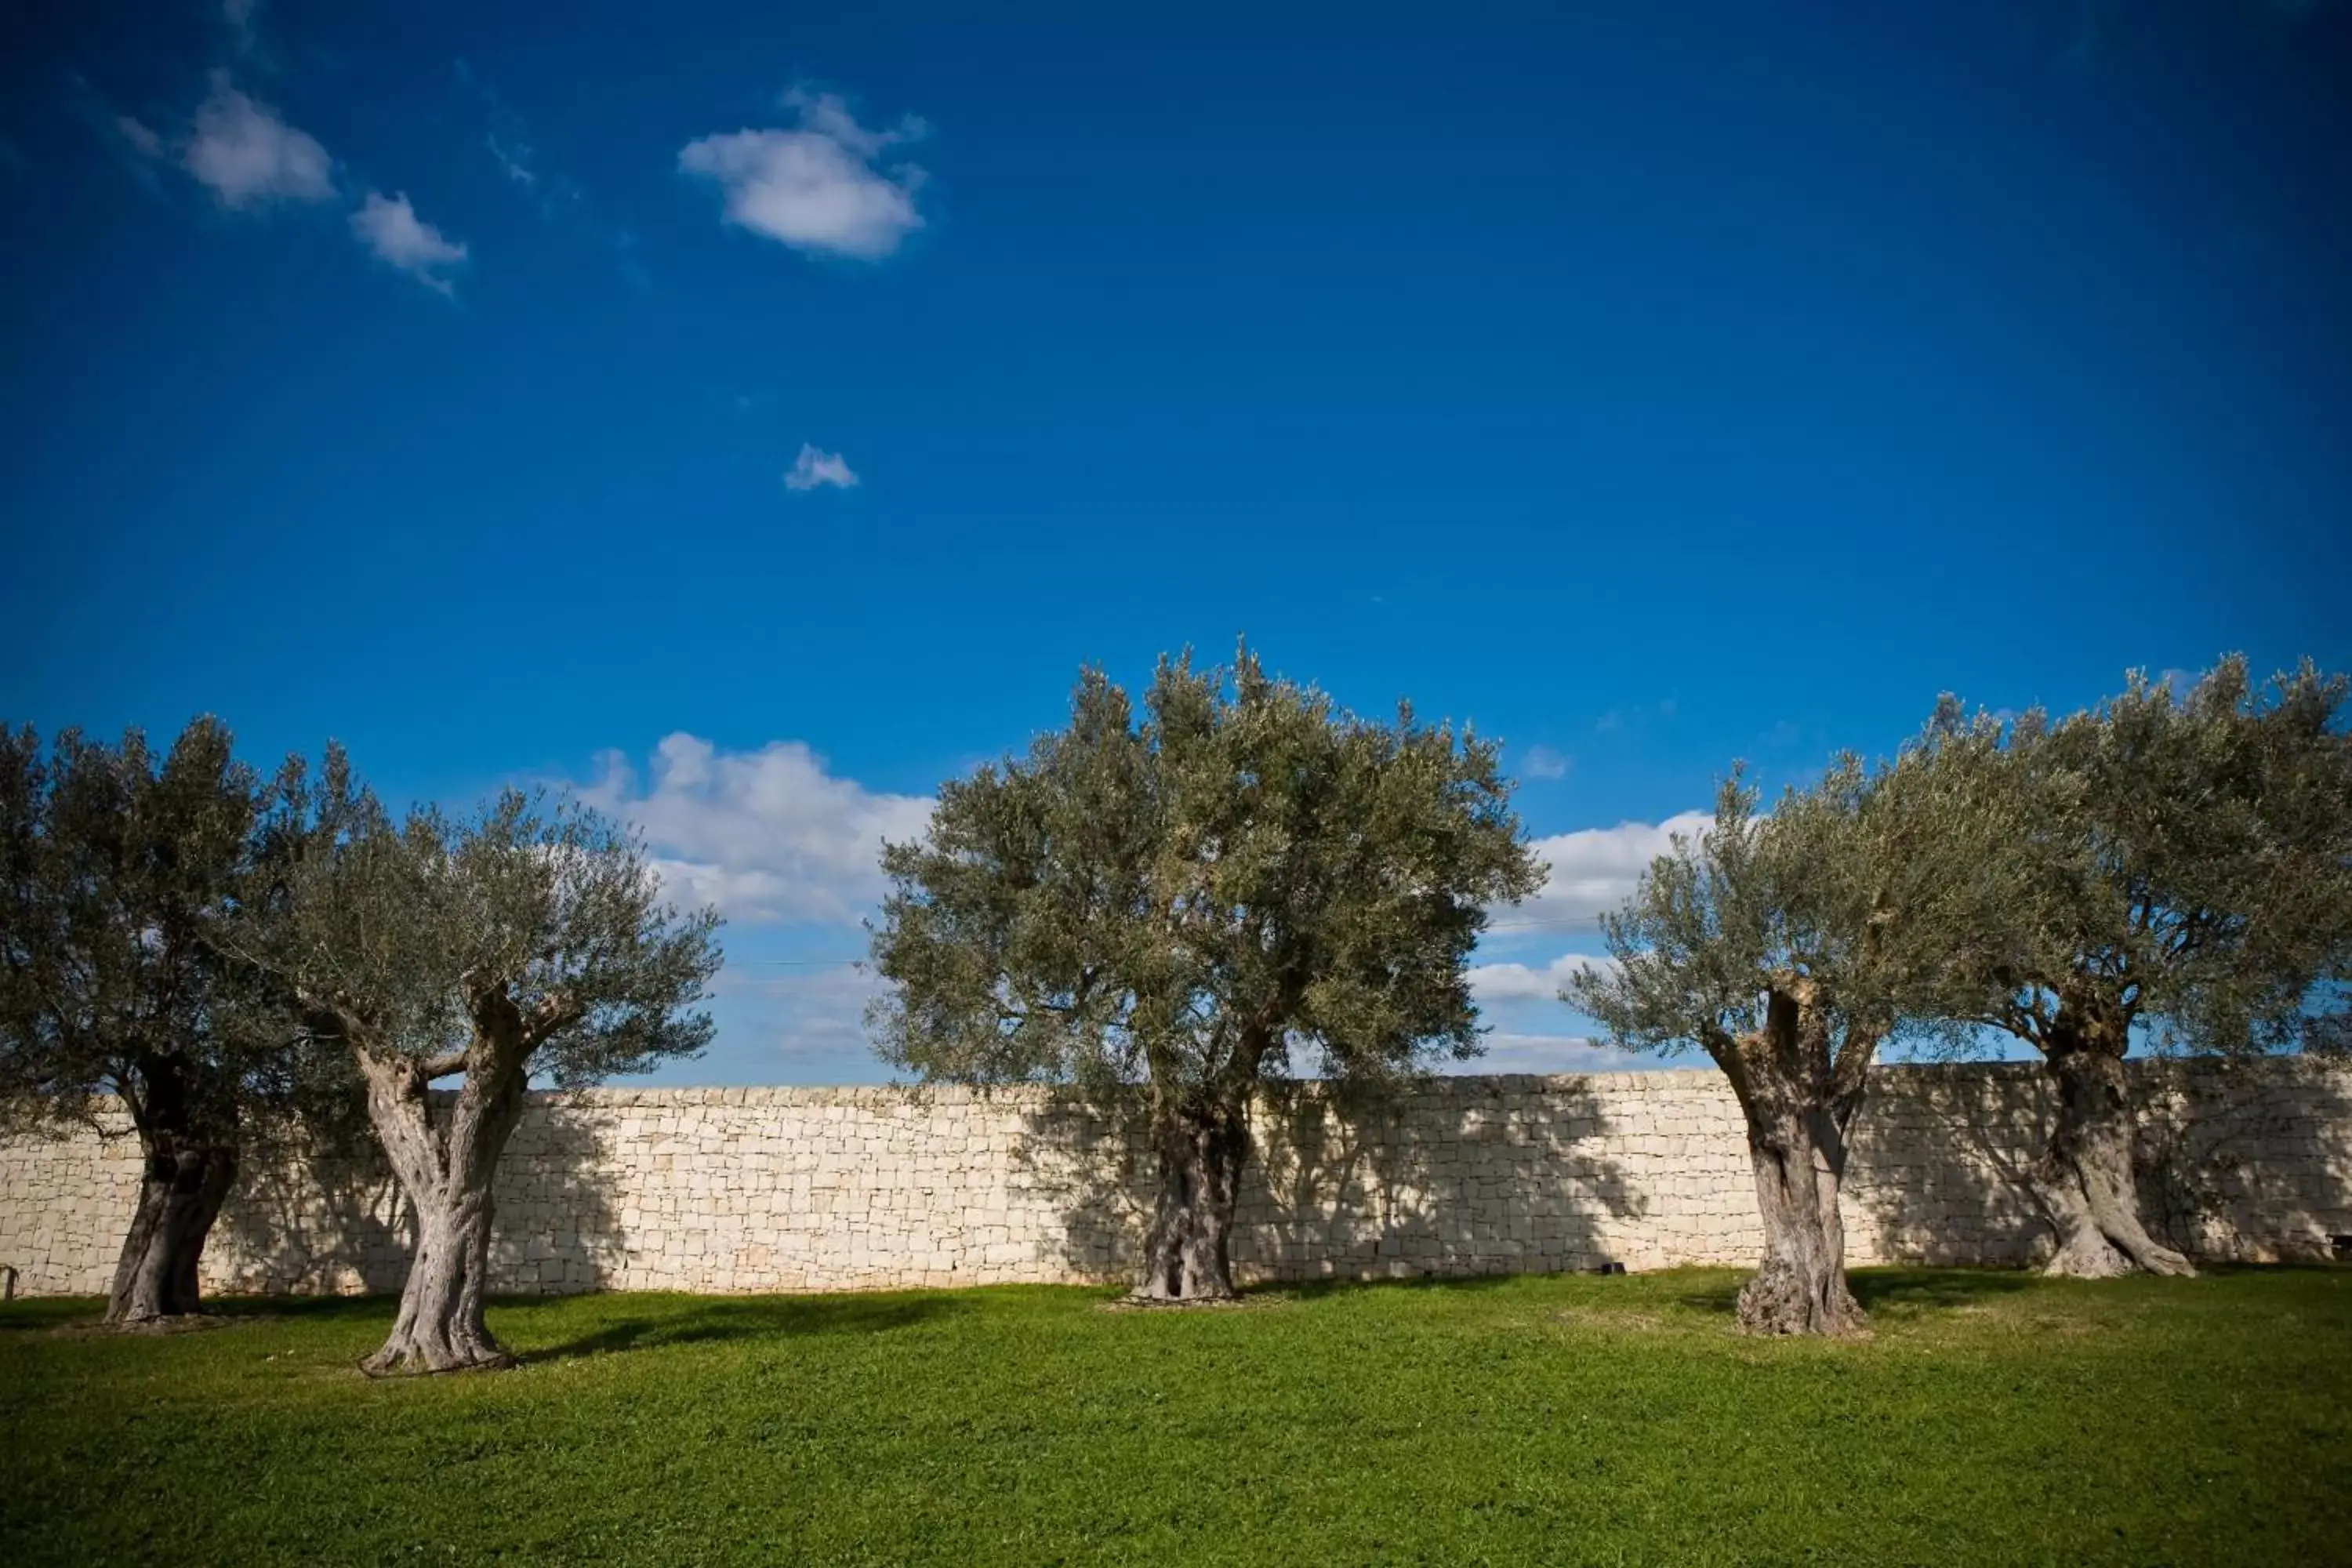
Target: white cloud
(1547,1054)
(819,187)
(1543,762)
(248,157)
(1595,870)
(767,834)
(813,468)
(1492,982)
(390,227)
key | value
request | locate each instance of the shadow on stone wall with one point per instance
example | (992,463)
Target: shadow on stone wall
(2237,1160)
(329,1222)
(556,1229)
(1082,1153)
(1449,1177)
(333,1219)
(1942,1160)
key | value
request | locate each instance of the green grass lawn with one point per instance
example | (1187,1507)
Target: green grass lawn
(1993,1417)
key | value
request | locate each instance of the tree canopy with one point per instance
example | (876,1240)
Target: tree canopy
(2189,862)
(539,930)
(116,866)
(2185,880)
(519,940)
(1789,948)
(1241,882)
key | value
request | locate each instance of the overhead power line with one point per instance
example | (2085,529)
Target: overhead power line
(1588,922)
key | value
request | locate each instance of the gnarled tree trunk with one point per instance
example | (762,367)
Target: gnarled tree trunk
(1798,1105)
(2084,1178)
(181,1187)
(1202,1148)
(1799,1287)
(446,1172)
(188,1162)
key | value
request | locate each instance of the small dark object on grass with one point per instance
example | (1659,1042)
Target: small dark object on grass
(2343,1245)
(1608,1268)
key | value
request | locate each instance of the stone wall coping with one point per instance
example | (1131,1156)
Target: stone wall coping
(1443,1087)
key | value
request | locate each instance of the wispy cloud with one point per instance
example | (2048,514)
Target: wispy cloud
(144,139)
(248,157)
(770,834)
(537,177)
(813,468)
(811,1014)
(1543,762)
(826,114)
(514,159)
(239,14)
(508,139)
(820,187)
(1547,1054)
(389,226)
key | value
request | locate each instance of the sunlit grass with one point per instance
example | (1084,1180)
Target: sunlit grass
(1991,1417)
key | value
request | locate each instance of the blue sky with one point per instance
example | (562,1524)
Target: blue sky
(1651,386)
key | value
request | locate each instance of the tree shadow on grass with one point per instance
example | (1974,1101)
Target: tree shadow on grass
(1317,1289)
(54,1312)
(1897,1291)
(304,1309)
(709,1321)
(41,1314)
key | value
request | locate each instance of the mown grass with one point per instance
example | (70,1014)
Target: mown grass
(1992,1418)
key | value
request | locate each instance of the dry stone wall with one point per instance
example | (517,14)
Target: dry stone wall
(813,1189)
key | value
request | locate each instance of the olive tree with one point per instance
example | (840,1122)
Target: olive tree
(1789,948)
(1243,879)
(114,864)
(518,941)
(2187,885)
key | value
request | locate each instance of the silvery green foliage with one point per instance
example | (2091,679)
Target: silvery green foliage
(2188,864)
(406,927)
(1868,893)
(116,867)
(1240,879)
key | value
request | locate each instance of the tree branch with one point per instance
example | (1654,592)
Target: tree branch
(1851,1069)
(442,1065)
